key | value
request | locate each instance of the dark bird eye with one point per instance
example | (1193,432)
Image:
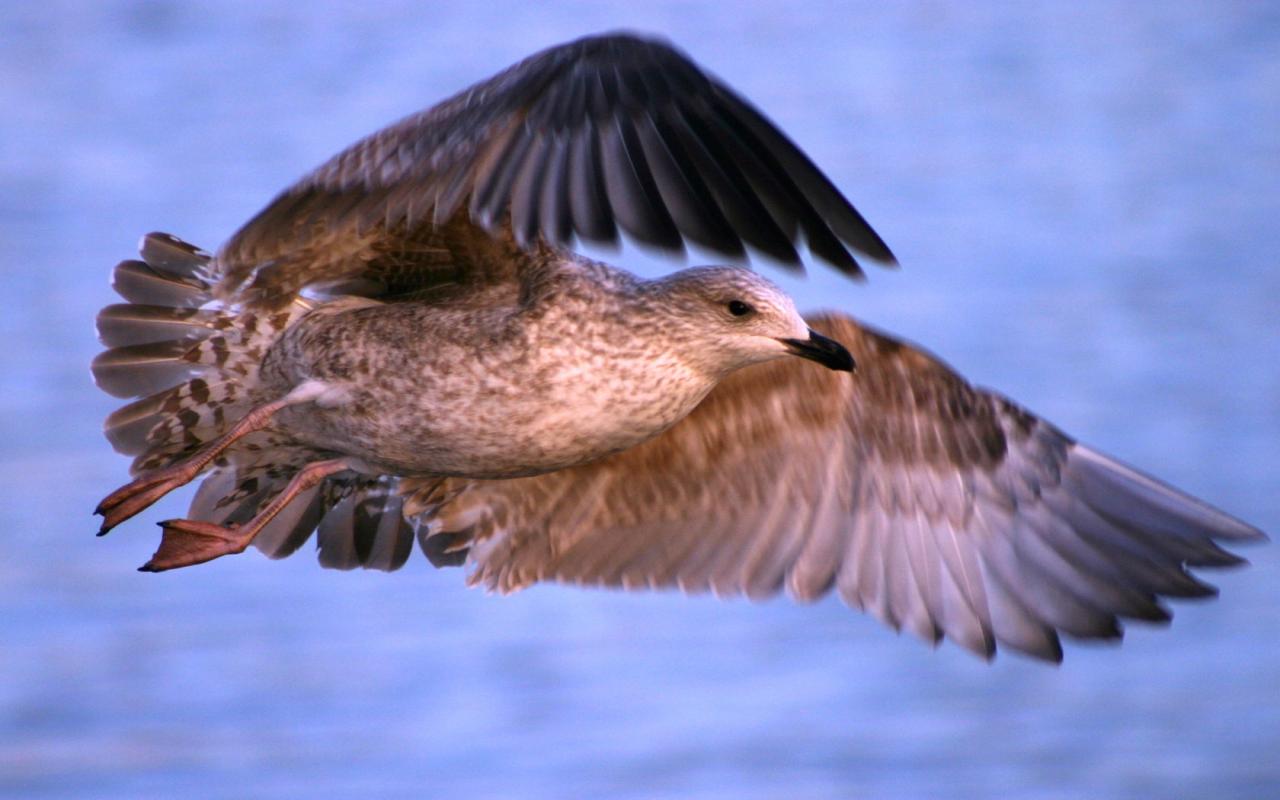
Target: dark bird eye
(739,308)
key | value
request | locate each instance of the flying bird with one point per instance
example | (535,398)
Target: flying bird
(402,347)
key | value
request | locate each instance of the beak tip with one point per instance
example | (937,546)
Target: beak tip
(827,352)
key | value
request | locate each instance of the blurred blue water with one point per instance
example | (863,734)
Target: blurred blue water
(1084,198)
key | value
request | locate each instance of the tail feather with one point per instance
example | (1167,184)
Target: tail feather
(204,506)
(191,361)
(139,282)
(142,369)
(189,415)
(127,324)
(172,256)
(128,427)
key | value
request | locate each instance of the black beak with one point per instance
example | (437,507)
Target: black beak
(827,352)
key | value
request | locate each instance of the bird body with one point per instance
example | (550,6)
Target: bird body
(588,361)
(401,349)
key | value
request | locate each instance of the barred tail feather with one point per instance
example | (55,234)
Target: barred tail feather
(191,361)
(190,364)
(127,324)
(138,282)
(142,369)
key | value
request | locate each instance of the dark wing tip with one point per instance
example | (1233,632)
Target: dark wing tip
(628,134)
(614,132)
(621,40)
(875,249)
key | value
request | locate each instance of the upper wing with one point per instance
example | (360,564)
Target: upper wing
(937,507)
(602,133)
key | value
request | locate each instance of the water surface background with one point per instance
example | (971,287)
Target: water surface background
(1084,198)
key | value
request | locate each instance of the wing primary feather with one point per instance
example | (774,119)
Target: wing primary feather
(526,190)
(779,196)
(925,571)
(602,95)
(632,193)
(905,597)
(575,108)
(691,206)
(843,219)
(1164,516)
(549,111)
(1112,596)
(1039,592)
(588,202)
(735,196)
(557,223)
(1015,627)
(785,201)
(711,221)
(960,620)
(1109,550)
(967,617)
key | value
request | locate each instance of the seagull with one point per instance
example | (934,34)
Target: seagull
(403,347)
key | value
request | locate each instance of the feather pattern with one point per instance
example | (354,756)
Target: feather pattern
(939,508)
(193,362)
(603,134)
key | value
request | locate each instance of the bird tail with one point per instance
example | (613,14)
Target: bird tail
(190,361)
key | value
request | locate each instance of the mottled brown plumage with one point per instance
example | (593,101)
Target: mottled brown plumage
(940,508)
(399,347)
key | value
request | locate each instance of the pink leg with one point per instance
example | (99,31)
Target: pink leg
(133,497)
(186,542)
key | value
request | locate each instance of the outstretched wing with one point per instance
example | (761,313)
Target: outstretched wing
(939,508)
(600,134)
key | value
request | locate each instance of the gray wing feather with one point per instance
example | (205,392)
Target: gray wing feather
(938,508)
(366,527)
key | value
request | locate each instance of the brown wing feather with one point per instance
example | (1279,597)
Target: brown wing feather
(584,138)
(938,507)
(389,262)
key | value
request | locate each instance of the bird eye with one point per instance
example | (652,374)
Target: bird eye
(739,308)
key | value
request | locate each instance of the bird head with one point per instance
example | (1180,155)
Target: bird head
(730,317)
